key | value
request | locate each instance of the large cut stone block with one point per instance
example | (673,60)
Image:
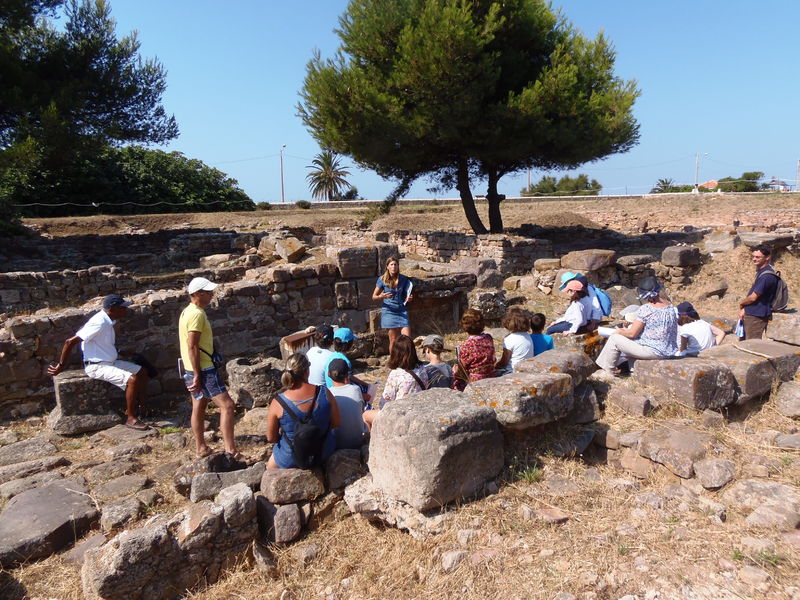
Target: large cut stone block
(787,401)
(434,447)
(290,249)
(78,395)
(355,261)
(785,357)
(680,256)
(694,382)
(677,448)
(721,241)
(523,400)
(285,486)
(589,344)
(774,239)
(253,382)
(588,260)
(574,363)
(785,328)
(753,375)
(41,521)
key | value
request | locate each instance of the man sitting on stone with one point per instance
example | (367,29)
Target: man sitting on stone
(100,359)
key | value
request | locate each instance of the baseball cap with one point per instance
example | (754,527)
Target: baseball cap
(338,369)
(433,341)
(565,278)
(200,283)
(574,284)
(324,331)
(113,300)
(684,308)
(344,334)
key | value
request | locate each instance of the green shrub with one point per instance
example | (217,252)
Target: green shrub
(304,204)
(263,206)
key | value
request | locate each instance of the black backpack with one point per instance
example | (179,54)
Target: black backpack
(308,437)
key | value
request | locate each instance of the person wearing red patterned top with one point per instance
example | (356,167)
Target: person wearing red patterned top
(476,357)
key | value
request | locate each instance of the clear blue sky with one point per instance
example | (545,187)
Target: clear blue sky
(717,77)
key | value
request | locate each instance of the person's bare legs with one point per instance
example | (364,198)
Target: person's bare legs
(136,383)
(271,464)
(198,425)
(226,411)
(406,330)
(394,333)
(368,416)
(142,379)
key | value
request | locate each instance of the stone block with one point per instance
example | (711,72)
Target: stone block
(42,521)
(590,344)
(84,404)
(677,448)
(219,462)
(547,264)
(721,241)
(433,448)
(586,407)
(774,239)
(784,357)
(344,467)
(714,473)
(385,251)
(206,486)
(31,467)
(574,363)
(680,256)
(253,382)
(285,486)
(694,382)
(524,400)
(214,260)
(290,249)
(787,401)
(491,303)
(637,405)
(279,523)
(785,327)
(753,375)
(588,260)
(355,261)
(635,260)
(25,450)
(491,278)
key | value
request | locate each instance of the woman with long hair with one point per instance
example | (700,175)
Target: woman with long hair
(394,289)
(405,378)
(301,397)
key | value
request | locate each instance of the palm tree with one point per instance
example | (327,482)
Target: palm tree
(663,185)
(327,176)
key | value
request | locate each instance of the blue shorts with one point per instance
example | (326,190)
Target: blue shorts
(211,382)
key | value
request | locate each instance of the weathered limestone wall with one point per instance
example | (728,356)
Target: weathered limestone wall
(248,316)
(32,290)
(131,251)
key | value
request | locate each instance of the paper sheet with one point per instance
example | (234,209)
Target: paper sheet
(410,287)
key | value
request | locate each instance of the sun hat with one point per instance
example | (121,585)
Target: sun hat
(575,285)
(200,284)
(113,300)
(344,334)
(648,288)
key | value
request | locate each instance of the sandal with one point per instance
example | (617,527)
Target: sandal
(138,426)
(207,452)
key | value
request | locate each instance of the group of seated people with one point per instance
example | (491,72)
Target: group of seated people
(321,383)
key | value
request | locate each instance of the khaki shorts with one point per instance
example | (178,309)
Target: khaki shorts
(117,373)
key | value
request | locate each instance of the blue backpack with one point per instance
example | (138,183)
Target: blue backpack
(603,298)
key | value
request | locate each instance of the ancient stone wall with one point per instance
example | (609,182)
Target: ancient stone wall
(130,251)
(248,316)
(32,290)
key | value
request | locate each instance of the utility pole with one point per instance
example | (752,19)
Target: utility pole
(283,197)
(797,177)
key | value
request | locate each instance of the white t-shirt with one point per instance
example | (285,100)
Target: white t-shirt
(699,336)
(521,347)
(576,315)
(318,357)
(99,338)
(350,433)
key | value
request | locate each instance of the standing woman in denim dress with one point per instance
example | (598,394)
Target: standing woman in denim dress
(395,291)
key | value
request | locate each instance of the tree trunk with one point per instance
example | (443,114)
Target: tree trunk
(467,201)
(494,199)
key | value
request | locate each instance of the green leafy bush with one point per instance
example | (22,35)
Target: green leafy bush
(304,204)
(263,206)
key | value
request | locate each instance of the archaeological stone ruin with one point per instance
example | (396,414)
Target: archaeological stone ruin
(428,453)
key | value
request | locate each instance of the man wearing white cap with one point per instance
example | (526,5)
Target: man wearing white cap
(201,376)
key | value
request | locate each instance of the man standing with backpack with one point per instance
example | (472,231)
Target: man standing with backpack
(767,294)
